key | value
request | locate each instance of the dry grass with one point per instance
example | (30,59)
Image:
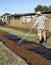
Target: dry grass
(48,25)
(19,24)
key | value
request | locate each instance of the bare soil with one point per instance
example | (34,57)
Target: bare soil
(31,58)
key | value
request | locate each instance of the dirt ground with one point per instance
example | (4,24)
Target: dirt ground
(8,57)
(31,58)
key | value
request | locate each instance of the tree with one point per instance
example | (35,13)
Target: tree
(39,8)
(49,8)
(43,8)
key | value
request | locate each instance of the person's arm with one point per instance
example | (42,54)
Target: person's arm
(46,19)
(35,24)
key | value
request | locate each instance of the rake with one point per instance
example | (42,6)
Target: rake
(24,36)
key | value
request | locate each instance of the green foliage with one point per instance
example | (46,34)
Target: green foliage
(39,8)
(43,8)
(49,8)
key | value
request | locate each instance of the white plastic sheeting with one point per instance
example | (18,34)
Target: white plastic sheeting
(25,19)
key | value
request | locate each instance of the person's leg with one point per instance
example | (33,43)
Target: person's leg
(44,35)
(40,36)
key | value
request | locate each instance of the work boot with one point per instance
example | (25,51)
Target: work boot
(45,41)
(40,42)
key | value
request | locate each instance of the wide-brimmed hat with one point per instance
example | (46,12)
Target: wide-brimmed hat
(38,13)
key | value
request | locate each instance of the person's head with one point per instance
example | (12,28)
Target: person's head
(38,13)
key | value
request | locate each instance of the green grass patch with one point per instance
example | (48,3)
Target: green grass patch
(31,37)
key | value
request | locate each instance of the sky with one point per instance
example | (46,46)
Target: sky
(21,6)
